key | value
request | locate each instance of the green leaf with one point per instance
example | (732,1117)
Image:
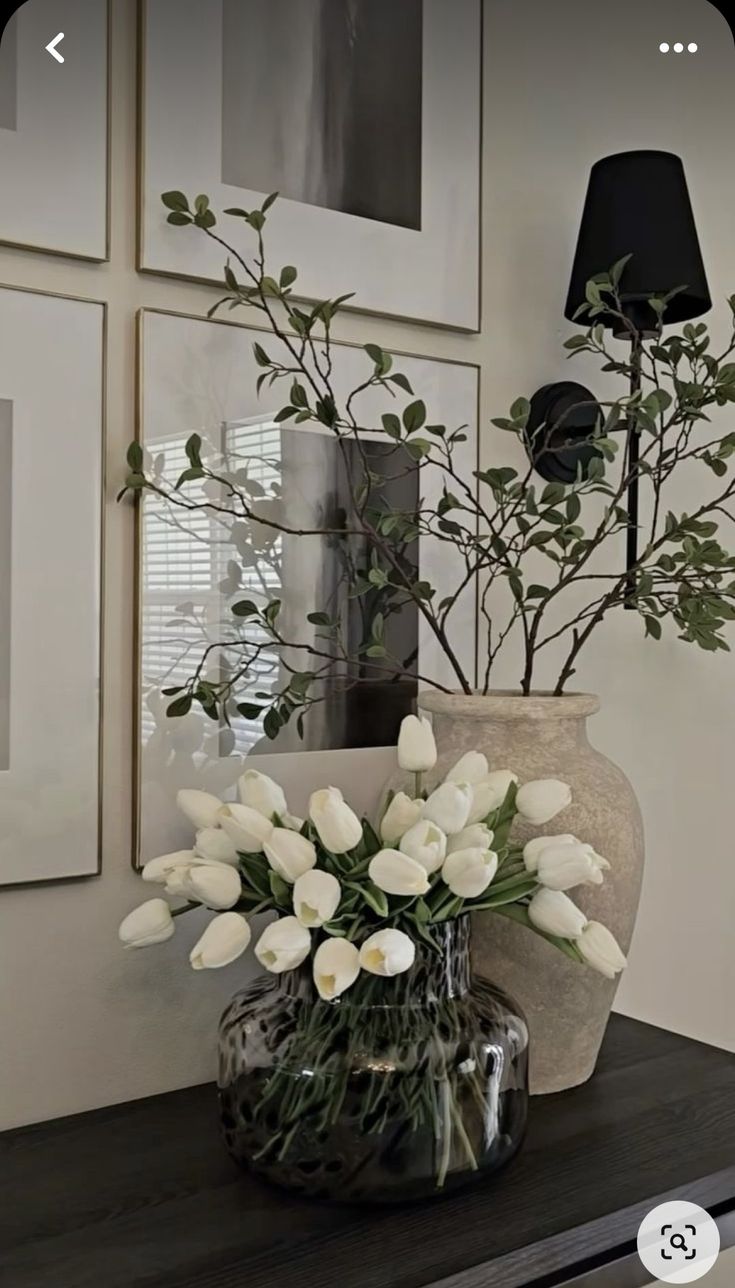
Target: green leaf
(372,896)
(245,608)
(272,724)
(414,416)
(391,424)
(273,196)
(249,710)
(402,381)
(180,706)
(280,889)
(179,219)
(319,619)
(174,200)
(134,456)
(288,276)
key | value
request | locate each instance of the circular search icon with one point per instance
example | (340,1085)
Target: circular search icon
(678,1242)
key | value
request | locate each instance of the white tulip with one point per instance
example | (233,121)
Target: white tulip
(214,844)
(396,873)
(283,945)
(201,808)
(289,853)
(560,867)
(160,869)
(449,806)
(336,967)
(293,822)
(532,849)
(316,897)
(387,952)
(477,837)
(400,815)
(262,793)
(555,914)
(338,826)
(468,873)
(489,794)
(217,885)
(226,938)
(426,843)
(470,768)
(246,827)
(151,923)
(542,799)
(416,745)
(601,950)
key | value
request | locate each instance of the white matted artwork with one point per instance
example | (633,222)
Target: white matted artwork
(51,454)
(53,128)
(200,377)
(363,114)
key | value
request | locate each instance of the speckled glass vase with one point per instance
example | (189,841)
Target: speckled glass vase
(541,736)
(403,1088)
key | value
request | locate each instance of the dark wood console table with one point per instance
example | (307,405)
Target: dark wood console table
(142,1195)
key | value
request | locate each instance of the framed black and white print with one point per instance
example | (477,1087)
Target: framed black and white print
(200,377)
(54,128)
(51,469)
(364,115)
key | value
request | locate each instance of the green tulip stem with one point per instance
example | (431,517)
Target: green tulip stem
(418,783)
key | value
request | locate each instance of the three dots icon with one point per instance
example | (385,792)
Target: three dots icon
(678,48)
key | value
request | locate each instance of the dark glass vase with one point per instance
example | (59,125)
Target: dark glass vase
(403,1088)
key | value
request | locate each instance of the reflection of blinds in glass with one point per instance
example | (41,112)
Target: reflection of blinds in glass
(186,555)
(255,447)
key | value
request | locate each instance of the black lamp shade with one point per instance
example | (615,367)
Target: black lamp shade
(638,204)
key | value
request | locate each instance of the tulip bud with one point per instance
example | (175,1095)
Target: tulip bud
(388,952)
(532,849)
(560,867)
(542,799)
(416,745)
(160,869)
(151,923)
(338,826)
(225,938)
(283,945)
(489,794)
(217,885)
(213,844)
(336,967)
(476,837)
(201,808)
(468,873)
(262,793)
(292,822)
(316,897)
(470,768)
(601,950)
(246,827)
(555,914)
(401,814)
(289,853)
(426,843)
(449,806)
(395,873)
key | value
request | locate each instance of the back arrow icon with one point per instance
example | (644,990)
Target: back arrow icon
(51,47)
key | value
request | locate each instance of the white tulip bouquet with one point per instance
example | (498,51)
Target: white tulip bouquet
(353,898)
(356,902)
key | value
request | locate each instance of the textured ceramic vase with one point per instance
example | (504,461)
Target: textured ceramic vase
(567,1005)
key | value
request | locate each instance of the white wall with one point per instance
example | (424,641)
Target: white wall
(84,1024)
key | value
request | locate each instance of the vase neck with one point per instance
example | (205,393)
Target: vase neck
(435,975)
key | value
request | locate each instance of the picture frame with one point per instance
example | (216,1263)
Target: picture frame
(54,129)
(52,435)
(196,374)
(381,191)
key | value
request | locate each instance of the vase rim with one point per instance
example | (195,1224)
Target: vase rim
(509,704)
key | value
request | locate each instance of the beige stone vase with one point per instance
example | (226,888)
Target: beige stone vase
(567,1005)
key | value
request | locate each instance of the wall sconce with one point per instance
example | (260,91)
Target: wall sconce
(637,204)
